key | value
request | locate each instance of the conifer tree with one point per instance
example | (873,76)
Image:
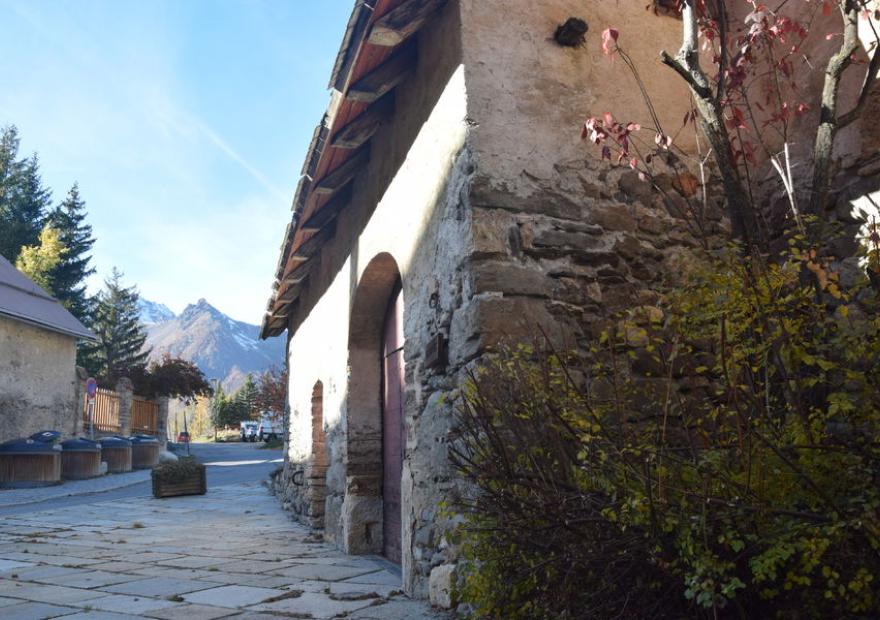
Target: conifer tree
(69,275)
(24,200)
(121,336)
(246,398)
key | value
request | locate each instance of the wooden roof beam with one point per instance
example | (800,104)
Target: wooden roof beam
(310,246)
(339,178)
(386,76)
(396,26)
(365,125)
(289,295)
(299,274)
(328,211)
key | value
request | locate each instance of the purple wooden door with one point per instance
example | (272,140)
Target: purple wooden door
(392,426)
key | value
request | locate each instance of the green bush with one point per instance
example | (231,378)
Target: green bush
(715,457)
(181,470)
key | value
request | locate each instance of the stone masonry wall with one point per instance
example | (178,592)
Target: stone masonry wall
(37,381)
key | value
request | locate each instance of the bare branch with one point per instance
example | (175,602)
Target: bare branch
(868,83)
(829,122)
(687,64)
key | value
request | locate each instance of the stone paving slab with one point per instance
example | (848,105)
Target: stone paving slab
(158,586)
(35,611)
(127,604)
(100,615)
(233,596)
(190,612)
(316,605)
(188,558)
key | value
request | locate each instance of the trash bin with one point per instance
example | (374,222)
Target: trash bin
(28,463)
(80,459)
(49,437)
(144,451)
(116,452)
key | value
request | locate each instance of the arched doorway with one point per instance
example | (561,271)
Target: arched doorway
(393,384)
(371,511)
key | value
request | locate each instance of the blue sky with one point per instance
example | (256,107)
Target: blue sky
(185,124)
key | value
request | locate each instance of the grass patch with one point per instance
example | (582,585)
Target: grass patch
(272,444)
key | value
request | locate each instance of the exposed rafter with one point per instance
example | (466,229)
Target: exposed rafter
(401,23)
(328,211)
(362,128)
(386,76)
(337,179)
(300,273)
(314,243)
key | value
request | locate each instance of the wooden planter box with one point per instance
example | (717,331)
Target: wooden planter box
(194,485)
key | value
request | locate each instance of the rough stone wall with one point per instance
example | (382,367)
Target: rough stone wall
(37,381)
(561,239)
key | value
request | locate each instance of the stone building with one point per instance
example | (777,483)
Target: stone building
(447,203)
(38,376)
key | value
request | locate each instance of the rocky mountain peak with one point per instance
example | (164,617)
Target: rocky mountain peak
(223,348)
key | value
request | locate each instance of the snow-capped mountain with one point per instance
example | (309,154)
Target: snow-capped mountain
(221,347)
(152,312)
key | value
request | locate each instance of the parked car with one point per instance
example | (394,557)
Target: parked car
(248,431)
(270,426)
(183,437)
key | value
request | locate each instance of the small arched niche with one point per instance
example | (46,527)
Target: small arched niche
(316,472)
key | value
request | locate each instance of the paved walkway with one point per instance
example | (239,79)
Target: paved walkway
(70,488)
(232,553)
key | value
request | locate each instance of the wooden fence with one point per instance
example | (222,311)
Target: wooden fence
(106,411)
(144,416)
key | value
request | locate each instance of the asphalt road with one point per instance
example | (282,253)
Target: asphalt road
(228,463)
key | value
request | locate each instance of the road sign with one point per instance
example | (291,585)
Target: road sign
(91,387)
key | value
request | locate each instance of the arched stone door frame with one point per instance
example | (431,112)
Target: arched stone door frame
(362,509)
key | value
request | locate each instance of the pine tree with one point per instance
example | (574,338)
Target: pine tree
(121,336)
(247,398)
(23,199)
(69,276)
(38,262)
(9,165)
(219,407)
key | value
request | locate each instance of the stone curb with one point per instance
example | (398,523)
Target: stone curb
(20,497)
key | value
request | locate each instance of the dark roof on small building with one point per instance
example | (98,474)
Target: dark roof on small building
(21,299)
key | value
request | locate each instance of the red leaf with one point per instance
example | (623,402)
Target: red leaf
(609,36)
